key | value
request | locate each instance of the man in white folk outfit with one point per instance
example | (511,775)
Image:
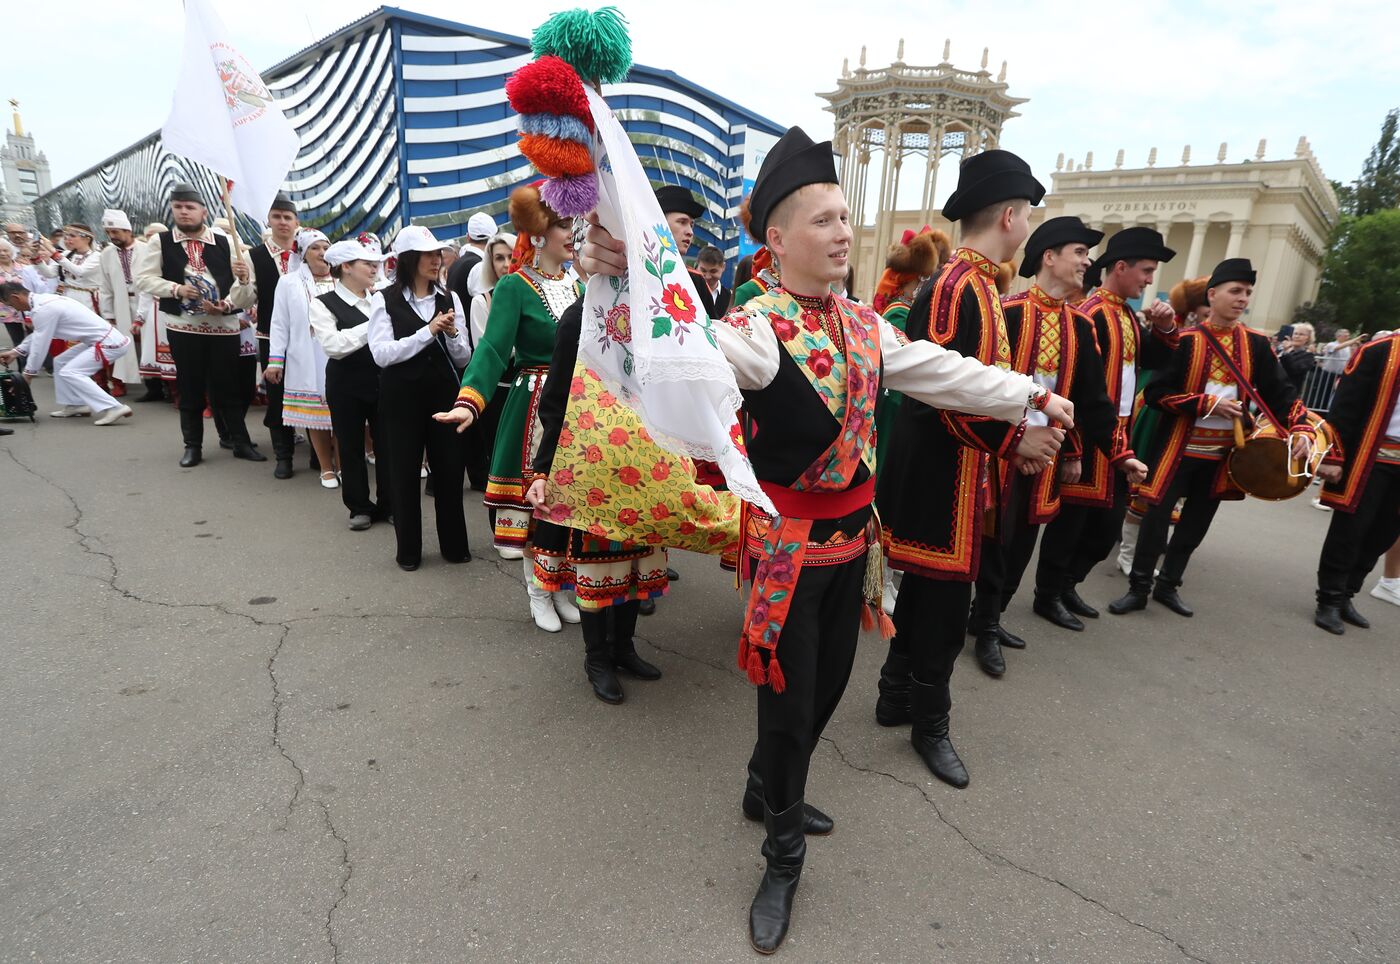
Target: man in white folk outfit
(116,292)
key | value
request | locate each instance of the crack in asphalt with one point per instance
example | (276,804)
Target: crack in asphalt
(348,871)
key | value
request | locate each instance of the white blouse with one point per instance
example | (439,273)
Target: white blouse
(388,350)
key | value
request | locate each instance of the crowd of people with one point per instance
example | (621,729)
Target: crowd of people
(1058,415)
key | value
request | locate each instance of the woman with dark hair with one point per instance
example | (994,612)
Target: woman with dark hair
(418,337)
(743,272)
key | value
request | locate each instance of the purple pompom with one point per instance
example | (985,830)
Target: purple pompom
(571,197)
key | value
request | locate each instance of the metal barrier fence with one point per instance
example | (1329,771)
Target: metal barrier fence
(1318,389)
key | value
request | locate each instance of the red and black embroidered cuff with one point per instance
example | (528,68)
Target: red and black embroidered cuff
(470,398)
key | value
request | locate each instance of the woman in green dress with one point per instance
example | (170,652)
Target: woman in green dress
(526,305)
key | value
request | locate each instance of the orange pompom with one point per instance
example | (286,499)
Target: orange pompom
(556,158)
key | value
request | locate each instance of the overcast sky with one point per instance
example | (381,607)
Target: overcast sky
(95,76)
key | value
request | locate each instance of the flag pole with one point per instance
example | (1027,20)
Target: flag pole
(232,222)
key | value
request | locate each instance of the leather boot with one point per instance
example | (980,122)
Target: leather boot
(892,708)
(1075,603)
(814,822)
(785,849)
(624,647)
(1350,615)
(243,447)
(155,390)
(1007,638)
(283,448)
(1139,585)
(988,652)
(929,736)
(192,428)
(1329,617)
(1165,593)
(597,659)
(1048,605)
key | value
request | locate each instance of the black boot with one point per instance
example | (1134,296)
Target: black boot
(1075,603)
(283,448)
(989,653)
(192,428)
(155,390)
(1048,605)
(1329,617)
(243,447)
(1350,615)
(1165,593)
(814,822)
(930,706)
(1139,585)
(624,647)
(597,659)
(1009,639)
(892,708)
(785,849)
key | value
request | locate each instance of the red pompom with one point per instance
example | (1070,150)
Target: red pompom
(548,86)
(775,675)
(755,668)
(556,158)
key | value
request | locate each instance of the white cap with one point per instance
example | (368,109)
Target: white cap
(345,251)
(117,220)
(415,237)
(480,226)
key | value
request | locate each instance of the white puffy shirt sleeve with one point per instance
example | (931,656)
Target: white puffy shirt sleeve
(944,379)
(750,347)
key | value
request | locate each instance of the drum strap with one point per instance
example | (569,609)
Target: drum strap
(1240,380)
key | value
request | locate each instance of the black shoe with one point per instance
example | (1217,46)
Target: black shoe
(892,708)
(457,560)
(1350,615)
(1169,597)
(672,575)
(1076,604)
(1050,607)
(1131,601)
(929,735)
(989,653)
(1329,617)
(1010,639)
(246,451)
(284,469)
(226,444)
(625,658)
(6,431)
(428,490)
(814,822)
(151,396)
(191,458)
(647,607)
(408,566)
(598,658)
(785,848)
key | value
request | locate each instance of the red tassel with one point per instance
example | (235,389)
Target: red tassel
(755,668)
(867,617)
(886,626)
(775,674)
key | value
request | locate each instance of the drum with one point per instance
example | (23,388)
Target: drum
(1263,464)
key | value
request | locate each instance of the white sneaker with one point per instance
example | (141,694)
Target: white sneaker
(1390,594)
(71,411)
(112,415)
(542,611)
(329,480)
(566,609)
(1317,504)
(510,553)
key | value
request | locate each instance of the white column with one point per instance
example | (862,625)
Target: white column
(1198,241)
(1237,230)
(1150,294)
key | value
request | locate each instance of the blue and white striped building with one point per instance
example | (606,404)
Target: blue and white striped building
(403,119)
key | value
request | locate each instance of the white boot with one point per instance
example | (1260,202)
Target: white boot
(541,605)
(71,411)
(1126,545)
(1387,589)
(889,594)
(564,606)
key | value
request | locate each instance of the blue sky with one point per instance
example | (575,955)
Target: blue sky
(94,77)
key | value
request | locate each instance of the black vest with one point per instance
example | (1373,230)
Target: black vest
(266,275)
(174,260)
(357,368)
(433,362)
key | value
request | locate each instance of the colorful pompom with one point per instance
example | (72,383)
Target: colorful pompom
(559,126)
(548,86)
(596,44)
(571,197)
(556,158)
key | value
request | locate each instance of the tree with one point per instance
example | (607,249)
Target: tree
(1322,315)
(1378,187)
(1361,274)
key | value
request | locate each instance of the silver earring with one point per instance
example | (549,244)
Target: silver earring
(537,240)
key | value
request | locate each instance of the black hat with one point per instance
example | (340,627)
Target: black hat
(989,177)
(1093,277)
(1052,234)
(1232,269)
(674,198)
(1132,243)
(283,203)
(794,162)
(184,191)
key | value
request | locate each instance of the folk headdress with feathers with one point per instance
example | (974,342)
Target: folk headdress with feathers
(915,256)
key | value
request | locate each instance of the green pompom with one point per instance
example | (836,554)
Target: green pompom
(594,44)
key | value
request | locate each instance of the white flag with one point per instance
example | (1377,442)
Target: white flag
(224,117)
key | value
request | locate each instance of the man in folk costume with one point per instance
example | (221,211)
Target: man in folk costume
(1054,344)
(116,293)
(1091,518)
(938,492)
(1363,481)
(157,365)
(681,210)
(1217,368)
(271,261)
(200,289)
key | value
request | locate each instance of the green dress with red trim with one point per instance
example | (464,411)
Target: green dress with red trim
(526,306)
(887,407)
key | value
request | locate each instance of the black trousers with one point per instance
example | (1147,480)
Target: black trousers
(1193,480)
(207,365)
(406,408)
(1080,538)
(16,330)
(930,621)
(816,652)
(999,576)
(1356,540)
(354,406)
(481,440)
